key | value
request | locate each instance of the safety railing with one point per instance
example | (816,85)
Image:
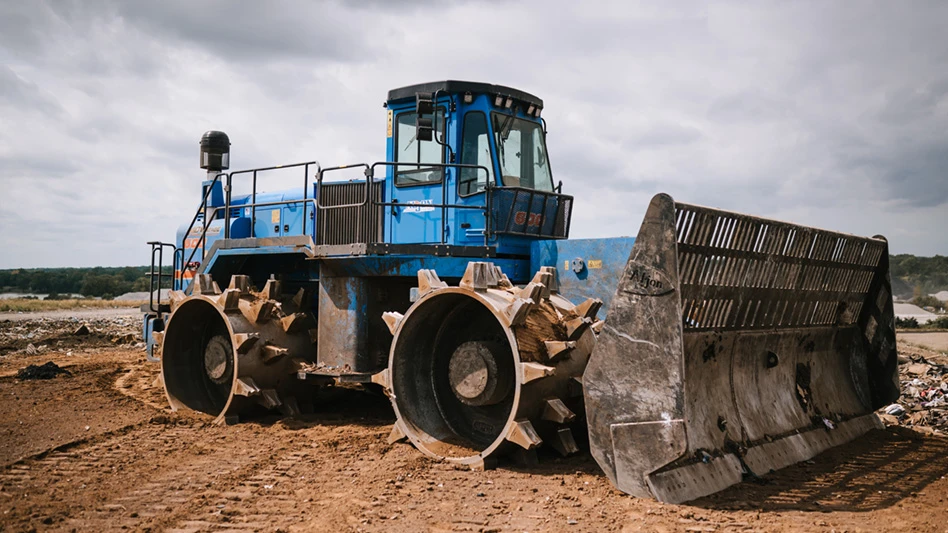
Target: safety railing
(444,205)
(531,213)
(253,196)
(157,249)
(211,214)
(552,220)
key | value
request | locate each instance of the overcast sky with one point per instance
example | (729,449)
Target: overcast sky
(832,114)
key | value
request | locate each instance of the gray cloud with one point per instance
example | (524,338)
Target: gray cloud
(827,114)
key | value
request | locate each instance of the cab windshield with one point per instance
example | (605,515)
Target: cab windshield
(521,152)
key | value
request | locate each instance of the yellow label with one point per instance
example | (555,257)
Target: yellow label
(275,216)
(389,130)
(594,263)
(566,265)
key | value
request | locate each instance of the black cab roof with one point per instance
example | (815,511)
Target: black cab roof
(454,86)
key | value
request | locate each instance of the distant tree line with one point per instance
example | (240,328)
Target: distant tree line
(926,275)
(102,282)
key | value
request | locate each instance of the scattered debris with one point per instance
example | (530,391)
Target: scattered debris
(46,371)
(895,410)
(923,404)
(60,335)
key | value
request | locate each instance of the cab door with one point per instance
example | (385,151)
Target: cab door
(418,187)
(475,149)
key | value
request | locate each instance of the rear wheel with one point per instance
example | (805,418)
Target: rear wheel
(230,352)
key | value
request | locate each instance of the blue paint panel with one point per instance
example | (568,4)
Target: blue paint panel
(518,270)
(602,260)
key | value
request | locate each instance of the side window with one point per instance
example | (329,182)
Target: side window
(475,150)
(408,149)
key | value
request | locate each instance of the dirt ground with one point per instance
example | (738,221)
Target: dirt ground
(930,340)
(100,451)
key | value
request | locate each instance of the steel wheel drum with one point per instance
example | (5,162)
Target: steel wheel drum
(487,369)
(232,352)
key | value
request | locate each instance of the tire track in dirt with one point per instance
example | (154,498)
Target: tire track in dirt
(147,475)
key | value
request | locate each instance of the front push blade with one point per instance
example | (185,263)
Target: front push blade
(735,346)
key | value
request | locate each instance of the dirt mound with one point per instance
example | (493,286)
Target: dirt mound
(49,370)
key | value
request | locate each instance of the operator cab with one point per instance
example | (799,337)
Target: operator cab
(468,166)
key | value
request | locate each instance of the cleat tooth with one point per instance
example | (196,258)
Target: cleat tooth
(518,310)
(428,281)
(272,353)
(557,350)
(294,322)
(554,284)
(230,300)
(544,279)
(313,335)
(532,291)
(562,305)
(158,336)
(262,310)
(241,283)
(393,319)
(272,290)
(204,284)
(246,387)
(269,399)
(589,308)
(503,282)
(289,407)
(243,342)
(533,371)
(564,443)
(396,435)
(597,326)
(483,463)
(479,276)
(525,458)
(576,327)
(296,365)
(522,433)
(302,298)
(175,298)
(554,410)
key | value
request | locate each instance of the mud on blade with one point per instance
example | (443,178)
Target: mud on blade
(737,345)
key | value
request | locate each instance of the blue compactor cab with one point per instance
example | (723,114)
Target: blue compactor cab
(711,346)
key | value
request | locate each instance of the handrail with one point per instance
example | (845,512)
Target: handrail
(368,200)
(158,246)
(444,190)
(369,180)
(201,209)
(214,210)
(253,196)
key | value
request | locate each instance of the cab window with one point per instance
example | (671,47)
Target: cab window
(408,149)
(521,153)
(475,150)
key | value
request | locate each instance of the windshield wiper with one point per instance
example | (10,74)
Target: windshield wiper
(506,126)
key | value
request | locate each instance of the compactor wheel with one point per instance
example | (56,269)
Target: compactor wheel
(229,352)
(486,369)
